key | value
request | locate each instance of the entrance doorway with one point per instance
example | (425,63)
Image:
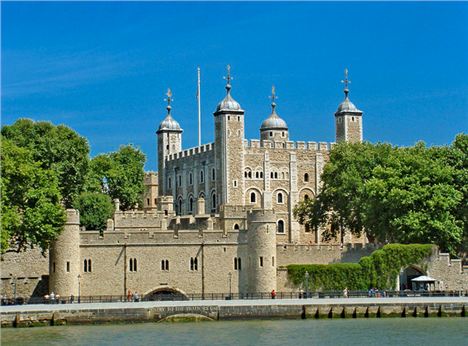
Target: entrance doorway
(166,293)
(407,275)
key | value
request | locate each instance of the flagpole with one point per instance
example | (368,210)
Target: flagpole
(199,108)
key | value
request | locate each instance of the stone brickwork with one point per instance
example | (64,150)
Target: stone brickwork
(28,271)
(449,273)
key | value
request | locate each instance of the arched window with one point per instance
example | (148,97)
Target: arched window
(276,175)
(213,201)
(279,197)
(306,197)
(280,228)
(271,175)
(250,174)
(257,175)
(236,226)
(191,204)
(253,197)
(282,175)
(180,206)
(306,177)
(261,175)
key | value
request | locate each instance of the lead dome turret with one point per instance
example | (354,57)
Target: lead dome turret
(228,104)
(169,123)
(274,127)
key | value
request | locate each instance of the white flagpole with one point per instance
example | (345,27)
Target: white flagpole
(199,108)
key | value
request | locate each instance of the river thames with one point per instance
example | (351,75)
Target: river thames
(394,331)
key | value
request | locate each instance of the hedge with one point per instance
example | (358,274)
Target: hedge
(380,269)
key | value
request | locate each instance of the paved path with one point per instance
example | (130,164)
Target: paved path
(243,302)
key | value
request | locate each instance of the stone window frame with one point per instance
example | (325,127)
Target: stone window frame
(193,263)
(254,195)
(190,204)
(283,227)
(165,265)
(306,177)
(237,263)
(133,265)
(87,265)
(202,176)
(280,197)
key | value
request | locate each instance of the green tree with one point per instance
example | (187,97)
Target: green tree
(57,148)
(95,208)
(32,214)
(119,174)
(407,195)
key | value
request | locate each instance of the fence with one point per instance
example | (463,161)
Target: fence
(226,296)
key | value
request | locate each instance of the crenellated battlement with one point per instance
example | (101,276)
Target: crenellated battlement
(151,178)
(289,145)
(191,152)
(73,217)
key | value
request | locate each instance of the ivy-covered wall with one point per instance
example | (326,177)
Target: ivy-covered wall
(380,269)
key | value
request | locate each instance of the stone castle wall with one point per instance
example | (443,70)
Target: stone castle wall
(449,273)
(30,270)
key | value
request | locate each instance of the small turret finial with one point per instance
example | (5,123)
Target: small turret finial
(273,99)
(228,78)
(169,100)
(346,82)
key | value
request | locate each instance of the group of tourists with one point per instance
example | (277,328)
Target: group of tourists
(133,297)
(375,293)
(52,298)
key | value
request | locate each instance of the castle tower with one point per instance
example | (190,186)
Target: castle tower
(150,194)
(229,150)
(348,119)
(65,259)
(261,238)
(274,128)
(169,142)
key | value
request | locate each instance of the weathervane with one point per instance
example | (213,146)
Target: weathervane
(346,81)
(168,99)
(273,98)
(228,77)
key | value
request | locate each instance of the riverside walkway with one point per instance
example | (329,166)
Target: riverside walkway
(195,310)
(232,303)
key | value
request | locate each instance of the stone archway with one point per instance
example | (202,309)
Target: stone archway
(407,274)
(166,293)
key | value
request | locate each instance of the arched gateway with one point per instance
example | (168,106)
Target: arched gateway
(165,293)
(407,274)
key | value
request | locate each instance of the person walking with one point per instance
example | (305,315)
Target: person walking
(273,294)
(345,292)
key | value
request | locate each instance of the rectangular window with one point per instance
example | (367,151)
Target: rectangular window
(165,265)
(68,267)
(53,267)
(148,201)
(273,261)
(261,261)
(193,263)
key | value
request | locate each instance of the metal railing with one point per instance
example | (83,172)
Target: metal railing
(227,296)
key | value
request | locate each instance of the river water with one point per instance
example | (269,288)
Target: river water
(394,331)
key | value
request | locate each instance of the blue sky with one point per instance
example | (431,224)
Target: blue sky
(103,68)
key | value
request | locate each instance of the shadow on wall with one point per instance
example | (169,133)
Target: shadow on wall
(354,254)
(42,287)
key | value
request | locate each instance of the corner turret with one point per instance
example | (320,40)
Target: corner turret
(348,118)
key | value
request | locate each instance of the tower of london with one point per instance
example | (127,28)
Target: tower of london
(216,218)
